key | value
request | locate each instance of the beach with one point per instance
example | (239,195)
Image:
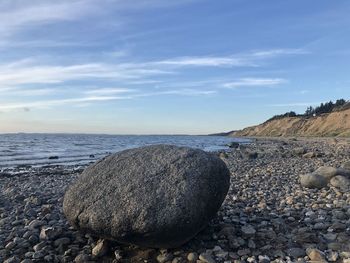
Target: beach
(267,215)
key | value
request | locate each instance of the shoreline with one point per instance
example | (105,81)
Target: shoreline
(267,215)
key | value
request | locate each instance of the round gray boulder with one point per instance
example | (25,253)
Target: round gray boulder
(313,180)
(153,196)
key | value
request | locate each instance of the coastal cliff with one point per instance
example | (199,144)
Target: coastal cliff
(336,123)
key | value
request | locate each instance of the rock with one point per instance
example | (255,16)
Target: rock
(251,154)
(154,196)
(315,254)
(312,180)
(340,181)
(309,155)
(192,257)
(205,257)
(82,258)
(100,249)
(13,259)
(296,252)
(49,233)
(164,257)
(35,224)
(248,231)
(62,241)
(299,151)
(332,256)
(327,172)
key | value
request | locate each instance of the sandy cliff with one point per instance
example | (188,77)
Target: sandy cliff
(330,124)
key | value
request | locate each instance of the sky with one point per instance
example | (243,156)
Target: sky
(167,67)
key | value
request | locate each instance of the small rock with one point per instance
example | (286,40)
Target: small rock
(192,257)
(248,231)
(82,258)
(205,257)
(312,180)
(100,249)
(315,254)
(296,252)
(164,257)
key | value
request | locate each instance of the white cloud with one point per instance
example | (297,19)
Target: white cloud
(109,91)
(254,82)
(278,52)
(22,73)
(50,103)
(205,61)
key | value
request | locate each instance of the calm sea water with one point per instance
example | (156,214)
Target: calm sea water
(71,149)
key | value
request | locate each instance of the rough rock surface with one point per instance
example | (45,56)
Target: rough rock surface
(154,196)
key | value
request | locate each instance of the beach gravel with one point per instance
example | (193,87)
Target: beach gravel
(292,223)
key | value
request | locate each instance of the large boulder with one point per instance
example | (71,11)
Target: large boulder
(313,180)
(154,196)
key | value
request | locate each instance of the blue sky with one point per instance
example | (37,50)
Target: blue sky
(167,67)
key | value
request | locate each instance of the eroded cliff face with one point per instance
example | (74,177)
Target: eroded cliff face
(330,124)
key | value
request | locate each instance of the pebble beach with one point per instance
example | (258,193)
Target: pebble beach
(267,216)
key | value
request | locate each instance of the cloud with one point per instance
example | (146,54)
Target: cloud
(109,91)
(254,82)
(20,73)
(50,103)
(21,14)
(278,52)
(250,59)
(205,61)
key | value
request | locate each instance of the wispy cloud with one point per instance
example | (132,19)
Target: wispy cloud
(109,91)
(205,61)
(50,103)
(254,82)
(278,52)
(17,73)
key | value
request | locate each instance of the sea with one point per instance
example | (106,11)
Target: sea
(35,150)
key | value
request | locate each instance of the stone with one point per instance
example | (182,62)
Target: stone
(164,257)
(13,259)
(153,196)
(315,254)
(82,258)
(340,181)
(299,151)
(62,241)
(100,249)
(296,252)
(309,155)
(207,258)
(49,233)
(312,180)
(248,231)
(192,257)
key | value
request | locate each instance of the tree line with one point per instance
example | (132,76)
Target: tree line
(312,111)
